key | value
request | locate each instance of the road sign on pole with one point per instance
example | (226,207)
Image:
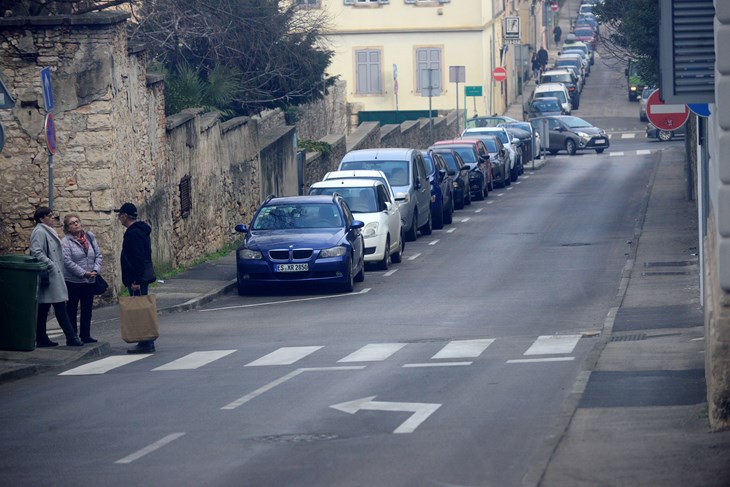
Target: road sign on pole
(554,7)
(50,126)
(47,89)
(499,74)
(6,101)
(665,116)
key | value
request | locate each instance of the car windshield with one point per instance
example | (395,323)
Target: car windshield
(584,32)
(491,145)
(552,94)
(451,163)
(567,62)
(483,122)
(360,200)
(575,122)
(546,105)
(395,171)
(285,216)
(557,78)
(430,167)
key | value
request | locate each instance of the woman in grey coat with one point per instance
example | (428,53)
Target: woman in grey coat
(45,245)
(82,262)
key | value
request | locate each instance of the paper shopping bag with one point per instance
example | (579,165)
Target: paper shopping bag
(138,315)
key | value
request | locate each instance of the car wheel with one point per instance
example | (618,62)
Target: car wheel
(599,151)
(459,205)
(438,217)
(570,146)
(514,174)
(427,227)
(398,256)
(412,233)
(360,276)
(349,284)
(467,197)
(449,213)
(665,135)
(385,261)
(480,194)
(507,177)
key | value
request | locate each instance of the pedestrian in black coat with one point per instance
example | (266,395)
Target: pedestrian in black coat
(557,32)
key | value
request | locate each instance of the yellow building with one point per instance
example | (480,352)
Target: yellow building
(388,50)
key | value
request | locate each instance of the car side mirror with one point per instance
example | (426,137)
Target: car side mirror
(356,224)
(465,168)
(388,206)
(241,228)
(442,174)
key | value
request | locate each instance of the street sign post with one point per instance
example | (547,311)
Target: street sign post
(50,129)
(665,116)
(47,89)
(457,74)
(499,74)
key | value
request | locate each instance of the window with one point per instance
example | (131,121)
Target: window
(366,2)
(428,65)
(367,72)
(309,3)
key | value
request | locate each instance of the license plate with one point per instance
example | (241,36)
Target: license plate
(600,141)
(292,267)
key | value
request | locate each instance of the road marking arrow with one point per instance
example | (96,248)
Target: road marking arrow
(421,411)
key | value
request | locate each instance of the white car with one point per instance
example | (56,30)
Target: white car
(361,174)
(557,90)
(371,203)
(506,139)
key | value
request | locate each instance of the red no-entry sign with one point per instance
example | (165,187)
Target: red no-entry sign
(665,116)
(499,74)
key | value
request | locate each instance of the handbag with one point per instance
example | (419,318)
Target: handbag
(148,273)
(100,285)
(138,316)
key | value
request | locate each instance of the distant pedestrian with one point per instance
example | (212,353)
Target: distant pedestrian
(557,33)
(542,56)
(535,67)
(136,258)
(45,245)
(82,262)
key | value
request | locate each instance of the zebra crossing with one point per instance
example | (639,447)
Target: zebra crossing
(544,348)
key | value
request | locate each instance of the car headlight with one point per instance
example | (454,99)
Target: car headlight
(332,252)
(370,230)
(473,175)
(248,254)
(583,135)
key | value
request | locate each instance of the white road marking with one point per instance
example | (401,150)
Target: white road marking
(104,365)
(697,339)
(643,152)
(195,360)
(628,135)
(490,202)
(149,449)
(538,360)
(479,210)
(451,230)
(437,364)
(414,256)
(434,242)
(463,349)
(390,272)
(615,153)
(283,356)
(269,303)
(464,220)
(421,411)
(252,395)
(553,344)
(373,352)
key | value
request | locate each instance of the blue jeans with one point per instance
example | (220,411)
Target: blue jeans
(143,288)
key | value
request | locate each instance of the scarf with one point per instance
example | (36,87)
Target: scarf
(81,238)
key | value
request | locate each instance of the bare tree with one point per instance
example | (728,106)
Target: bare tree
(17,8)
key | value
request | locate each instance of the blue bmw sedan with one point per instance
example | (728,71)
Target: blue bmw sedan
(301,239)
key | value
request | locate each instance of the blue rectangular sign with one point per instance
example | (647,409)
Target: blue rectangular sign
(47,90)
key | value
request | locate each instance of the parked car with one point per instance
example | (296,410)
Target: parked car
(642,102)
(572,134)
(459,173)
(301,239)
(533,142)
(556,90)
(488,121)
(515,157)
(442,189)
(581,54)
(544,106)
(586,35)
(406,173)
(665,135)
(568,78)
(498,155)
(370,202)
(361,174)
(475,155)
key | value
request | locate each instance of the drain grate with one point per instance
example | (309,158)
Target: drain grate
(629,338)
(296,438)
(676,263)
(576,244)
(667,273)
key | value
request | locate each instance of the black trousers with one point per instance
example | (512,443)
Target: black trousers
(61,315)
(83,294)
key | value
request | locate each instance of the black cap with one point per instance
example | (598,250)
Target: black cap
(129,209)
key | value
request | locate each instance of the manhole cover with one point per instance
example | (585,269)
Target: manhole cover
(676,263)
(667,273)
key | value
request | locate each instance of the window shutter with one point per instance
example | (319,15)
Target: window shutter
(687,51)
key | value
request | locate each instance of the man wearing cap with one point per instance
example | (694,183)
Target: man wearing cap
(136,253)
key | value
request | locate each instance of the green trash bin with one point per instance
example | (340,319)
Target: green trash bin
(18,301)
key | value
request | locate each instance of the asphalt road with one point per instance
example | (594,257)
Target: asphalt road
(450,369)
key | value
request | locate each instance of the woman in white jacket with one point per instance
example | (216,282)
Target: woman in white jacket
(82,262)
(45,245)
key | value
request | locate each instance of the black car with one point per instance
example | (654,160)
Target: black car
(442,189)
(572,134)
(542,107)
(459,172)
(499,157)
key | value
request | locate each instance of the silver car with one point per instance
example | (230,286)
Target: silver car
(406,173)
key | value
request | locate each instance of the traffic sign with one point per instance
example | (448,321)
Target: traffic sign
(50,126)
(554,6)
(499,74)
(472,91)
(6,101)
(47,90)
(700,109)
(665,116)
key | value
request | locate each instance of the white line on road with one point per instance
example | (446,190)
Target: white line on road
(490,202)
(390,272)
(414,256)
(553,344)
(434,242)
(643,152)
(464,220)
(149,449)
(104,365)
(283,356)
(628,135)
(537,360)
(451,230)
(616,154)
(252,395)
(195,360)
(437,364)
(463,349)
(373,352)
(479,210)
(268,303)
